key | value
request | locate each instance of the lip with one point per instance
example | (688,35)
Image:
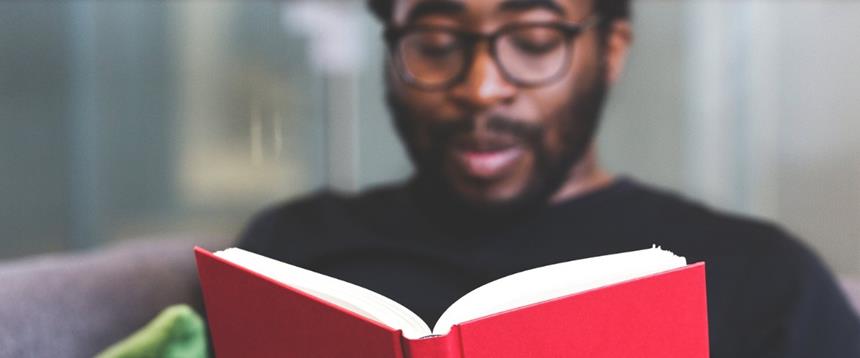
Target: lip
(488,164)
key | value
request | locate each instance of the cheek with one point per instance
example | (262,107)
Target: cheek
(556,104)
(554,108)
(421,104)
(414,111)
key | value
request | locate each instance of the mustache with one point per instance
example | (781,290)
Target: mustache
(496,126)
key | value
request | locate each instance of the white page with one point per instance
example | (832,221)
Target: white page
(553,281)
(357,299)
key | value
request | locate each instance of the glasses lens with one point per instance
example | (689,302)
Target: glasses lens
(533,54)
(432,57)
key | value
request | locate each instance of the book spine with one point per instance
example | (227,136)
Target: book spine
(447,346)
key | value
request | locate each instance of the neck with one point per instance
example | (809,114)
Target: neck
(586,176)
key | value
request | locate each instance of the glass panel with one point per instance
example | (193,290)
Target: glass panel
(128,118)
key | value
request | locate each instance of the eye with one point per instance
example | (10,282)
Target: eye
(433,44)
(437,49)
(537,41)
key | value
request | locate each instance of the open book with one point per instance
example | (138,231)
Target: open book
(646,303)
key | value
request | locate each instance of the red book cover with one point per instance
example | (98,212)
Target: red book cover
(659,316)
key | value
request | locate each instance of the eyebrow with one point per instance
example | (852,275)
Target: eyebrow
(523,5)
(435,7)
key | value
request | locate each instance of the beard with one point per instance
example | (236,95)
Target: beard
(579,120)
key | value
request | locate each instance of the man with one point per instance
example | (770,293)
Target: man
(497,102)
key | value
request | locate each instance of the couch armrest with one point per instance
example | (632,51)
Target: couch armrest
(75,305)
(851,286)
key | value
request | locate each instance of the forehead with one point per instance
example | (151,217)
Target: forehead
(405,11)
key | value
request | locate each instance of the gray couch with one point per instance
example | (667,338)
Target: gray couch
(851,285)
(75,305)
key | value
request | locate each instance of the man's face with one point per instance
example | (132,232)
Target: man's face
(490,142)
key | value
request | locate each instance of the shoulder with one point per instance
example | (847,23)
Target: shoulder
(302,210)
(325,206)
(742,253)
(758,273)
(322,216)
(698,225)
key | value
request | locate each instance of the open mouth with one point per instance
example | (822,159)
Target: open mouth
(487,159)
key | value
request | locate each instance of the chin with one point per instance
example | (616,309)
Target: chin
(489,197)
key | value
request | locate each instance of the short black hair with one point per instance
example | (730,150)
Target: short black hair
(609,10)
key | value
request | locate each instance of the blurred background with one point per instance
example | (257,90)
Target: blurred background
(122,120)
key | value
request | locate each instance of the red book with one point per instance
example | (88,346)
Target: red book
(646,303)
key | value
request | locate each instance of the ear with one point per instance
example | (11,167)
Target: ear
(618,43)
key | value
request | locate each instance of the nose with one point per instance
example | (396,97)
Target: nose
(484,86)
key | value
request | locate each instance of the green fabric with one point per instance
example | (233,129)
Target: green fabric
(177,332)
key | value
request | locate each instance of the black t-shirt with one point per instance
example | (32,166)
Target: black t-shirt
(768,295)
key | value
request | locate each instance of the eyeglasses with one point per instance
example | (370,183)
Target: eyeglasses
(528,54)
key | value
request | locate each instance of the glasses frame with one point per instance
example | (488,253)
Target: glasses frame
(571,31)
